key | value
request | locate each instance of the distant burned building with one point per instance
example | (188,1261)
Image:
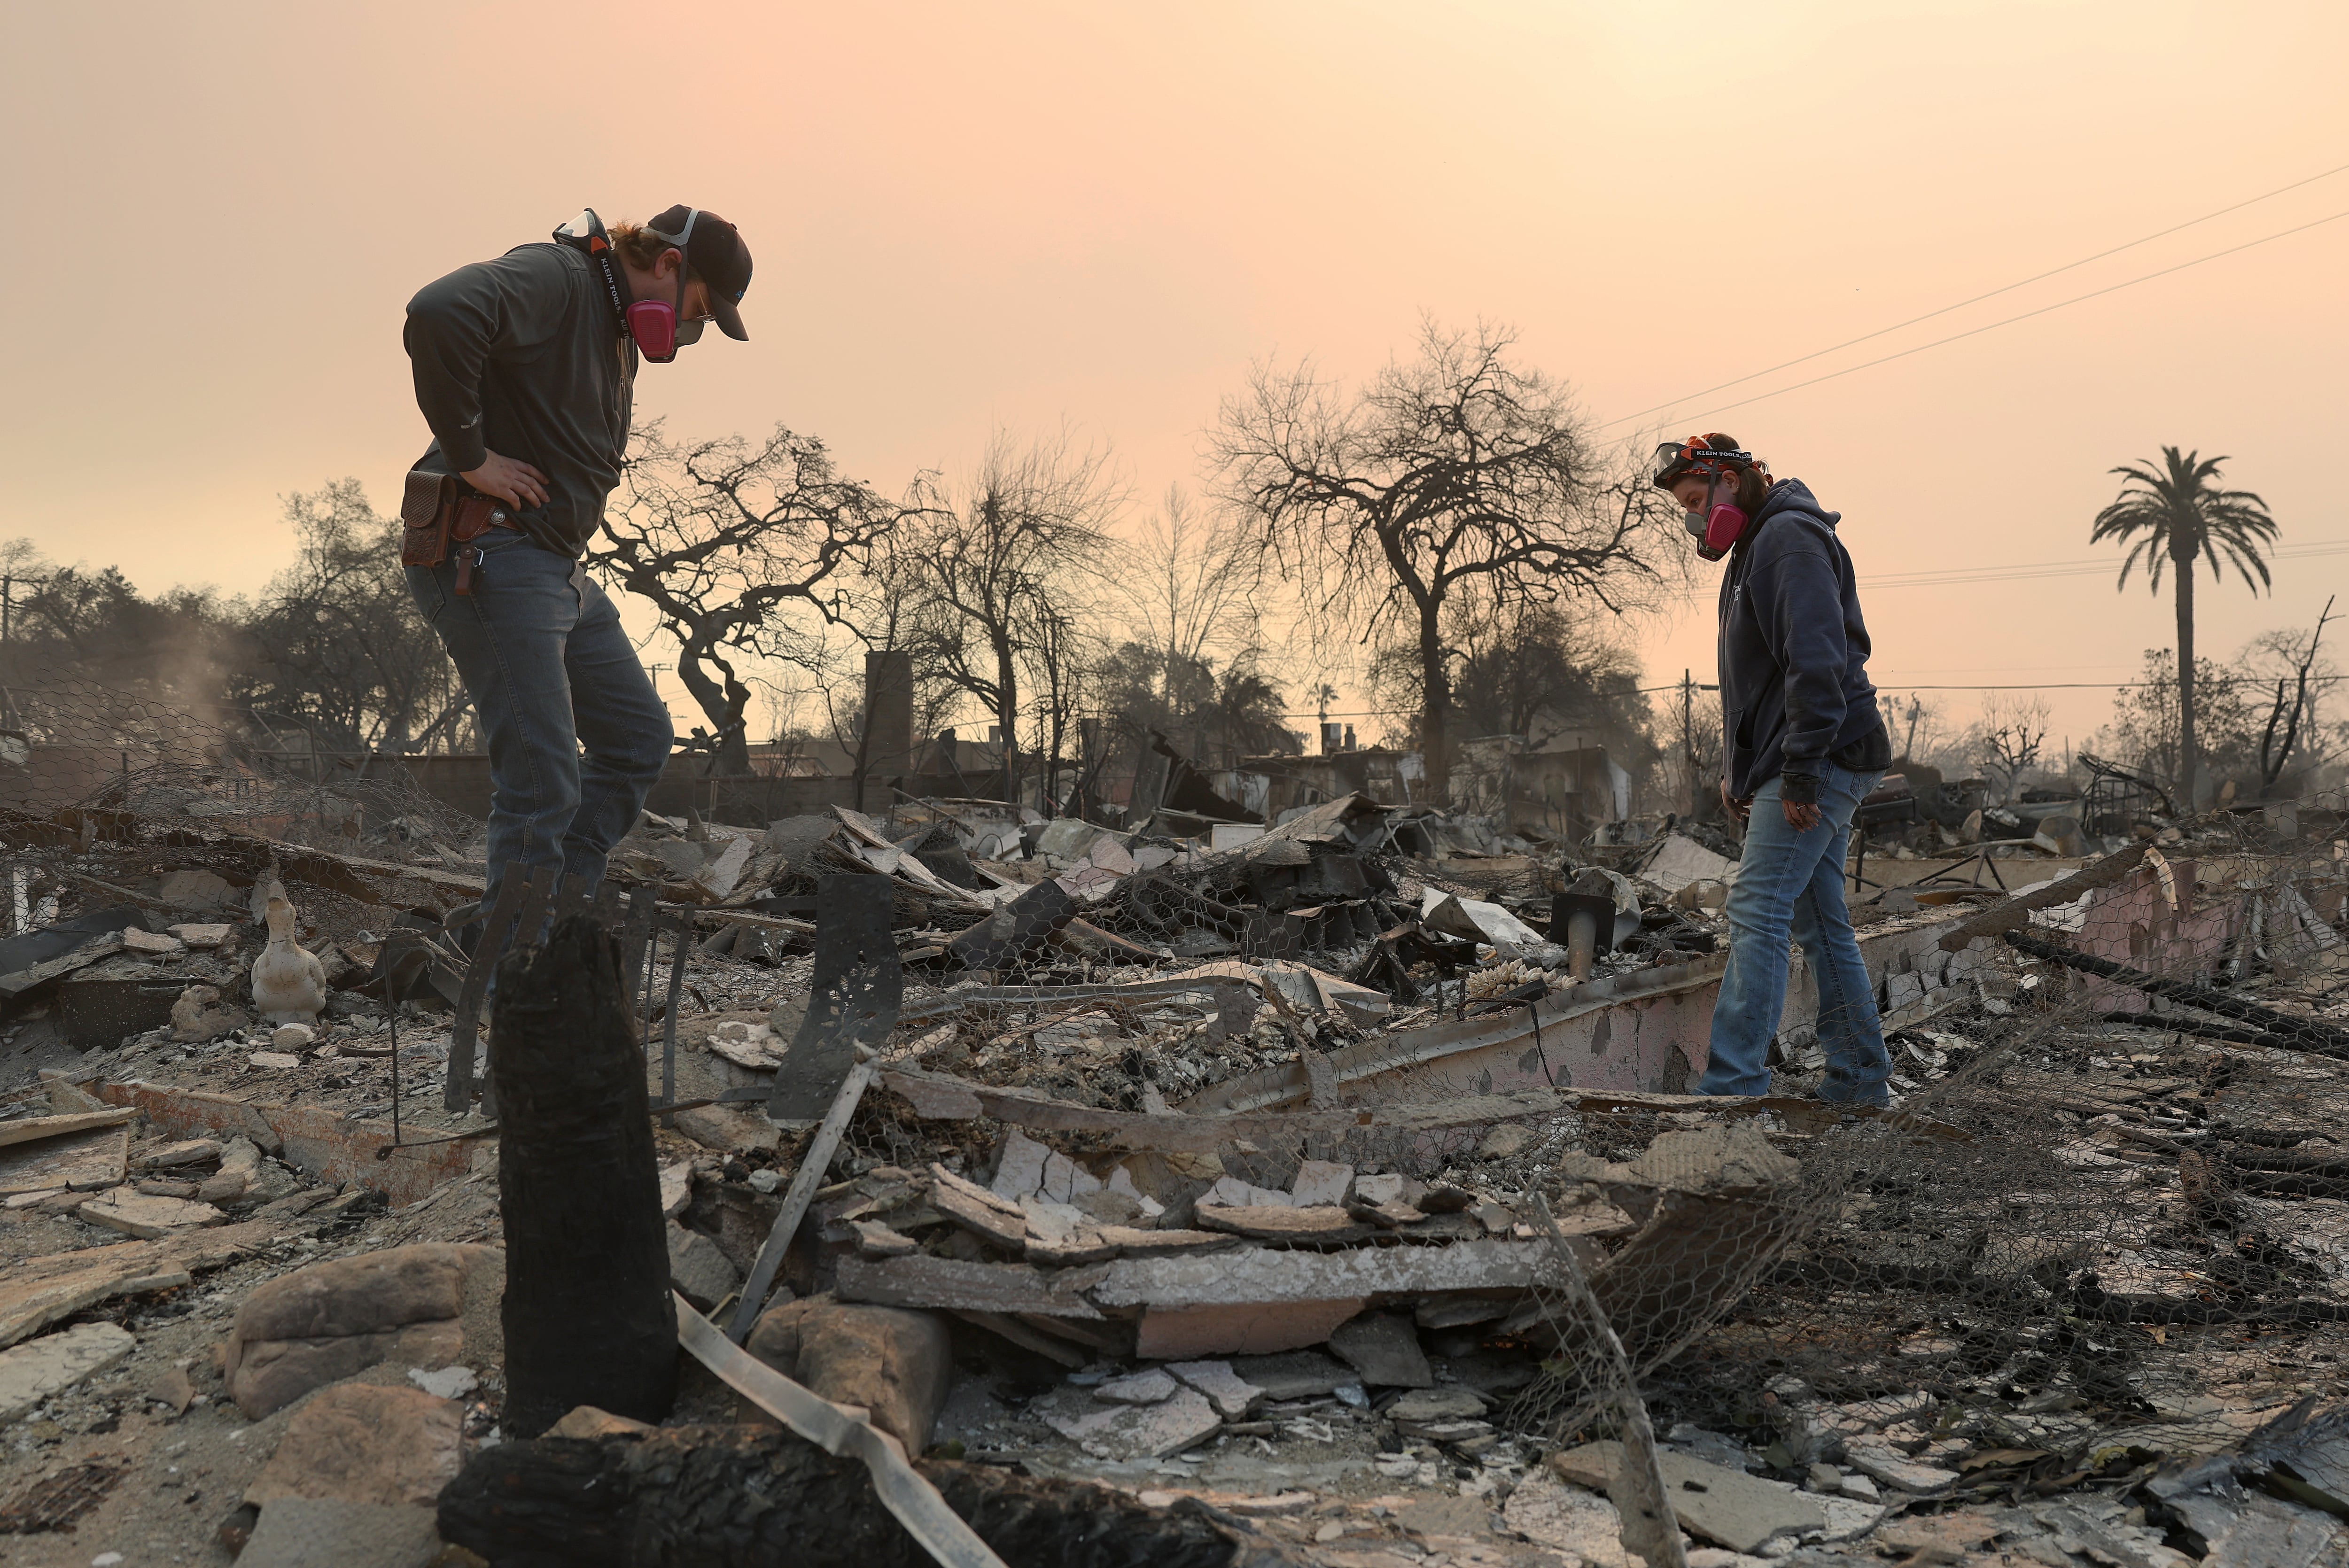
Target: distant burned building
(1557,790)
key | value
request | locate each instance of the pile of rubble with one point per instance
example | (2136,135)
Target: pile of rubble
(1239,1180)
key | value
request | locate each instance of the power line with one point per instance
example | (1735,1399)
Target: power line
(2009,288)
(2025,316)
(1960,575)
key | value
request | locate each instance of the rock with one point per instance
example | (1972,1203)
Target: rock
(445,1382)
(1505,1142)
(1823,1477)
(1233,1395)
(701,1271)
(292,1038)
(676,1187)
(31,1372)
(198,1015)
(894,1363)
(173,1387)
(171,1155)
(273,1060)
(590,1423)
(196,887)
(727,1131)
(1320,1182)
(1143,1431)
(1292,1374)
(395,1447)
(1382,1347)
(1151,1387)
(240,1171)
(139,1214)
(203,937)
(151,943)
(305,1531)
(423,1306)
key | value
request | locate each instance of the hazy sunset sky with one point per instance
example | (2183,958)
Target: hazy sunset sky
(967,217)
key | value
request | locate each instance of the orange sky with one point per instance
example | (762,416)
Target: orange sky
(966,216)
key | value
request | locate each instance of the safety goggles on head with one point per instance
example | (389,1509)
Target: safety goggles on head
(1675,460)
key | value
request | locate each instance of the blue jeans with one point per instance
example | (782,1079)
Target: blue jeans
(1792,883)
(551,672)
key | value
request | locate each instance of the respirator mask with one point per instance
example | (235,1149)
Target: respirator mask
(1719,526)
(658,327)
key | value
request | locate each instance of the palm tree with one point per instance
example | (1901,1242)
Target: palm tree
(2175,516)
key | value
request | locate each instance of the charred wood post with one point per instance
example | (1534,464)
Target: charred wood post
(754,1496)
(588,1315)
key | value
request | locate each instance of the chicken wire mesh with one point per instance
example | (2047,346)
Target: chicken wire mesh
(127,763)
(2079,1178)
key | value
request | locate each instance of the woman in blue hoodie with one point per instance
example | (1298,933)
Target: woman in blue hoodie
(1802,744)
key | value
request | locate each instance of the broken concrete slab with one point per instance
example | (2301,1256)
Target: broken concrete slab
(699,1268)
(391,1447)
(317,1140)
(1261,1274)
(894,1364)
(187,1152)
(1737,1509)
(1874,1456)
(76,1161)
(31,1372)
(1145,1431)
(305,1531)
(426,1305)
(1233,1395)
(201,936)
(1294,1375)
(955,1284)
(724,1131)
(676,1187)
(1382,1347)
(984,1215)
(148,1218)
(1570,1520)
(39,1291)
(1320,1182)
(1151,1387)
(36,1129)
(1324,1226)
(1250,1328)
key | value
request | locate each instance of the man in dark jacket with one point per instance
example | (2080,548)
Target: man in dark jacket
(1802,744)
(526,370)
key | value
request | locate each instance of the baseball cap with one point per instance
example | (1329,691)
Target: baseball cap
(714,250)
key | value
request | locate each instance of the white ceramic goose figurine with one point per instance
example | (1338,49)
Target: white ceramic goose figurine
(289,984)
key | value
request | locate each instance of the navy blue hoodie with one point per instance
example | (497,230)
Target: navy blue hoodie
(1793,653)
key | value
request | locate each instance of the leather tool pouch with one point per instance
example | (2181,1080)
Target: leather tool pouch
(433,517)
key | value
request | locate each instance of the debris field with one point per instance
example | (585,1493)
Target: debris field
(1329,1192)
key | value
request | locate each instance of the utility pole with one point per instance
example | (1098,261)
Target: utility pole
(1688,734)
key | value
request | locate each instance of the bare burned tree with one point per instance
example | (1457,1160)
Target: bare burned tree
(1002,566)
(738,547)
(2289,712)
(336,643)
(1456,470)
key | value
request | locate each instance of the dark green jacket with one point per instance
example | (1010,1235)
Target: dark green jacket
(523,356)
